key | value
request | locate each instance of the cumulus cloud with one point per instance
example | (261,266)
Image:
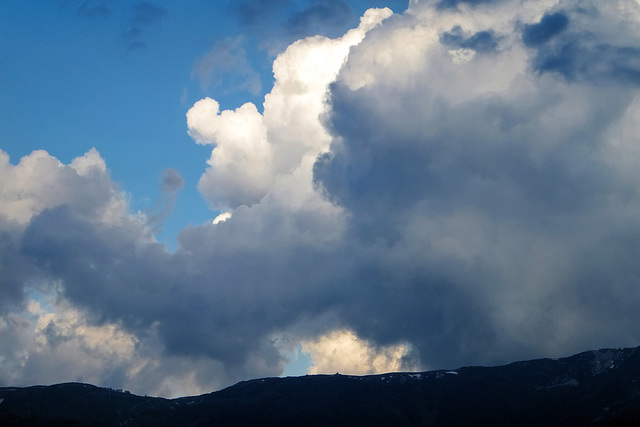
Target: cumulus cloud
(450,186)
(342,351)
(252,149)
(489,181)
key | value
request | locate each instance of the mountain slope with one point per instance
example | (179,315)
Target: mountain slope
(599,387)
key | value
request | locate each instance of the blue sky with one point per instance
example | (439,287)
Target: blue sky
(233,190)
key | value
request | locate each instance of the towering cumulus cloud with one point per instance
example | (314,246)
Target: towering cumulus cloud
(457,184)
(484,153)
(253,149)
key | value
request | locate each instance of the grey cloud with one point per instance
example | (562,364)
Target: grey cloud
(492,185)
(280,22)
(211,301)
(575,59)
(92,9)
(54,336)
(253,12)
(579,54)
(328,17)
(227,61)
(142,15)
(454,3)
(146,13)
(549,26)
(171,180)
(482,41)
(215,304)
(171,183)
(15,268)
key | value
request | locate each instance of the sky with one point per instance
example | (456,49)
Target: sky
(197,193)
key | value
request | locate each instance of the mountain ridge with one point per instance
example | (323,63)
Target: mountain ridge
(597,387)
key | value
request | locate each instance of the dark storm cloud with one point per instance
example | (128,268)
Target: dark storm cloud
(495,172)
(13,265)
(217,302)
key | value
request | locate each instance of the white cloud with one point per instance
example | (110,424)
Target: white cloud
(40,181)
(222,217)
(342,351)
(252,149)
(240,169)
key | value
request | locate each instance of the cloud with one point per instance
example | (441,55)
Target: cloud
(253,149)
(227,59)
(482,41)
(240,170)
(275,24)
(51,343)
(141,16)
(549,26)
(39,181)
(481,182)
(320,17)
(569,47)
(253,12)
(456,3)
(420,192)
(93,8)
(343,352)
(145,14)
(171,183)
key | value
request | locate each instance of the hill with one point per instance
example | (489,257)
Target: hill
(600,387)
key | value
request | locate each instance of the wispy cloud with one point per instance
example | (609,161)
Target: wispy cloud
(227,62)
(277,23)
(321,16)
(99,9)
(145,14)
(171,183)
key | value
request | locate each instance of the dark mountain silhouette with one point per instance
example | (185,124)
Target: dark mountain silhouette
(599,387)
